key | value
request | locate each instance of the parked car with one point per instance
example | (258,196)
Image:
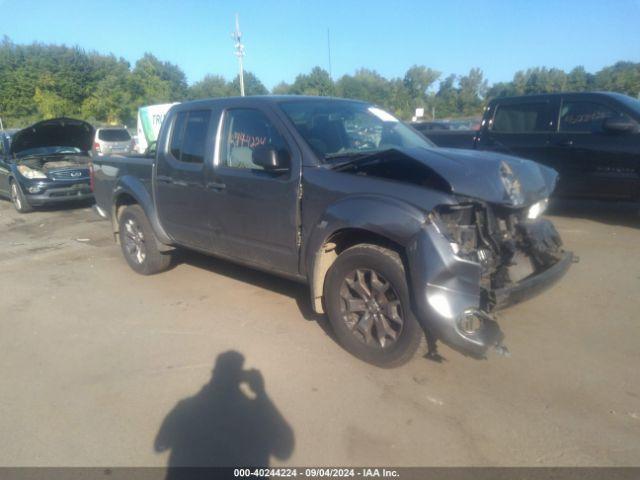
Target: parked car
(46,163)
(394,237)
(591,139)
(112,140)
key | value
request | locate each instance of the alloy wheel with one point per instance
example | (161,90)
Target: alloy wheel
(134,241)
(371,308)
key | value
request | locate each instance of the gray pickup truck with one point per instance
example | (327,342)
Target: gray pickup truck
(396,238)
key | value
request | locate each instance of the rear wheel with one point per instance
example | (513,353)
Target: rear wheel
(368,304)
(19,201)
(138,242)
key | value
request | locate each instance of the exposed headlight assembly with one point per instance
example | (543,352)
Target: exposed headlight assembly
(537,209)
(30,173)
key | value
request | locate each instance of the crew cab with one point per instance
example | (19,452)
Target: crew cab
(396,238)
(591,139)
(46,163)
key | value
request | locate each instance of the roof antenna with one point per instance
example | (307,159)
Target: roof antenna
(237,37)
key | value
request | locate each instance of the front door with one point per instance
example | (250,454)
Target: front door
(257,211)
(181,178)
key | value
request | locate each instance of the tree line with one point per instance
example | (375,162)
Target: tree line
(40,81)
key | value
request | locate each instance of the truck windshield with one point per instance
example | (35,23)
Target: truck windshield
(336,128)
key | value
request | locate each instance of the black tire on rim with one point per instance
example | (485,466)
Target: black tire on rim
(368,303)
(138,242)
(18,199)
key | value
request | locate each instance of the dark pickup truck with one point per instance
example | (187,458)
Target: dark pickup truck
(394,237)
(591,139)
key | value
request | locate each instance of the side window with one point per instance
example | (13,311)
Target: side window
(521,118)
(244,131)
(586,117)
(177,132)
(189,136)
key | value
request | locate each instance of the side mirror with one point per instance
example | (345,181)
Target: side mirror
(619,125)
(270,159)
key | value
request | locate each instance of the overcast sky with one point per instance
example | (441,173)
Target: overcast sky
(287,37)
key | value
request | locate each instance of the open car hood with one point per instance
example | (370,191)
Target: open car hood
(487,176)
(57,132)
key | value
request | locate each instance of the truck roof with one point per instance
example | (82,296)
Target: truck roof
(253,99)
(540,96)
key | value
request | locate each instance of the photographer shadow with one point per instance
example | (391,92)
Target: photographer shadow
(231,421)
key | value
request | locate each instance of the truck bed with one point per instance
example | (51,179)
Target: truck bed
(110,170)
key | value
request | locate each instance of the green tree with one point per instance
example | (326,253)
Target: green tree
(283,88)
(317,82)
(211,86)
(252,85)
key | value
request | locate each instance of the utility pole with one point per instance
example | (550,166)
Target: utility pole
(237,37)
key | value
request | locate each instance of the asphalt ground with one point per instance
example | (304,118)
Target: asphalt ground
(104,367)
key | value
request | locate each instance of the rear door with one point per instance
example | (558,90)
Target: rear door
(180,180)
(521,127)
(257,211)
(595,162)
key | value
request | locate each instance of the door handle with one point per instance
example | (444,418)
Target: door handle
(216,186)
(565,143)
(164,179)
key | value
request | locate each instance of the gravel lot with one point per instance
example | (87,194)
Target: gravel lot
(95,357)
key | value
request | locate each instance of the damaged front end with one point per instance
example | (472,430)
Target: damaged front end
(474,258)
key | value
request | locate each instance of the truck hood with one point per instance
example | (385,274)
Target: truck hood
(487,176)
(57,132)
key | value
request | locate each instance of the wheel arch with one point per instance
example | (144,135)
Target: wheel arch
(130,191)
(385,222)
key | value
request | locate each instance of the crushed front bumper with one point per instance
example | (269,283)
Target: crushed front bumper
(533,285)
(446,288)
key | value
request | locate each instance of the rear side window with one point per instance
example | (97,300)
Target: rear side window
(586,117)
(114,135)
(521,118)
(189,136)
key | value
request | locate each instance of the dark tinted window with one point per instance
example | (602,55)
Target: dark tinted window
(586,117)
(177,132)
(521,118)
(194,140)
(246,130)
(114,135)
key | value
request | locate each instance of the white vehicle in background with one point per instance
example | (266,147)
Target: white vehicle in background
(149,122)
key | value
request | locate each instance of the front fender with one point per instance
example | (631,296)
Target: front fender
(132,186)
(383,216)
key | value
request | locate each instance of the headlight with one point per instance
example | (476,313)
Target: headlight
(30,173)
(537,209)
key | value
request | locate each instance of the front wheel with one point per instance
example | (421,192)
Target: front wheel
(20,203)
(138,242)
(368,304)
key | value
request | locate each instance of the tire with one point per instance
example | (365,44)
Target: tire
(385,298)
(18,199)
(138,242)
